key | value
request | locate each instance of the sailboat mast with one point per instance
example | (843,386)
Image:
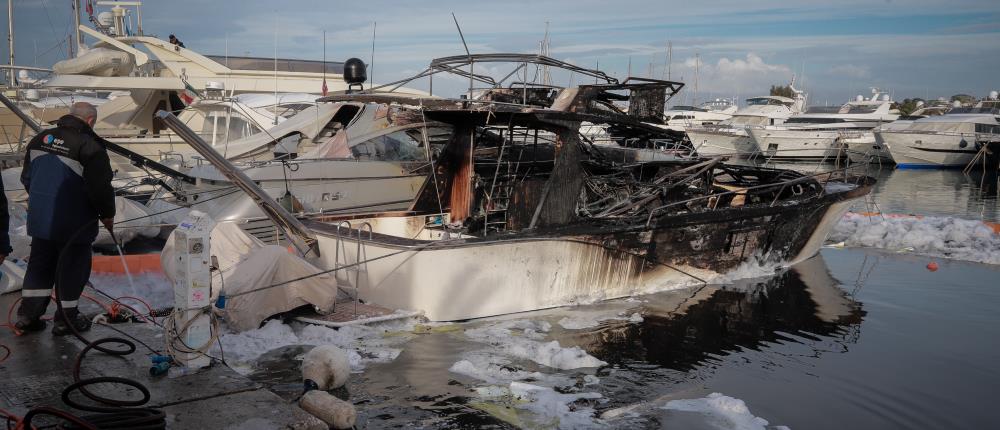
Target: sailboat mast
(78,40)
(10,40)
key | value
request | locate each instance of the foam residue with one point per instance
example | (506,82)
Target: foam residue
(363,344)
(591,320)
(519,338)
(946,237)
(560,410)
(497,369)
(722,411)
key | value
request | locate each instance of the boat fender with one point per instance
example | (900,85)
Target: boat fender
(334,412)
(325,367)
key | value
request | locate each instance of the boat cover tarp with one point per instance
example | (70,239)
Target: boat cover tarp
(249,266)
(97,62)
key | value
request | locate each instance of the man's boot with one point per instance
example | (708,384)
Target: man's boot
(28,325)
(72,317)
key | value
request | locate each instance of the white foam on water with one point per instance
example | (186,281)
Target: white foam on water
(946,237)
(554,409)
(591,320)
(519,339)
(363,344)
(722,412)
(496,369)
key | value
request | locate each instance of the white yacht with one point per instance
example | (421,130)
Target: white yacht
(679,118)
(816,134)
(731,136)
(950,140)
(865,148)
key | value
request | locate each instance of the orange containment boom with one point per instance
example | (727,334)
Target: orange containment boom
(137,263)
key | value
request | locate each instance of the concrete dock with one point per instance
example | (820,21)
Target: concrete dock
(40,367)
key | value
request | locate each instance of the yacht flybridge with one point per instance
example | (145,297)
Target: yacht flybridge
(816,135)
(731,136)
(516,211)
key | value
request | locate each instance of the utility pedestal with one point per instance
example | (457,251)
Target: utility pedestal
(193,288)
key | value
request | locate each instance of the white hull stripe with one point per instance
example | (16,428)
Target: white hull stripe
(35,293)
(69,303)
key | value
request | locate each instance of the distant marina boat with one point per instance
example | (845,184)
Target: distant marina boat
(679,118)
(946,141)
(732,137)
(817,134)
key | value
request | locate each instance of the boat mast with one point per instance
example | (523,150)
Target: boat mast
(76,20)
(10,41)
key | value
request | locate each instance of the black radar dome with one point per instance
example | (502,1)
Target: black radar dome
(354,71)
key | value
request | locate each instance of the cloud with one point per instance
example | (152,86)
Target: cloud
(728,77)
(850,70)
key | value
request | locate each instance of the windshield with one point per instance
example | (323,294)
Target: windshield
(763,101)
(222,127)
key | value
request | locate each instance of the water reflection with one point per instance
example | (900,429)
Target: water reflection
(681,332)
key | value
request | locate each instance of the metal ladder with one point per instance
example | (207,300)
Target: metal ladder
(501,189)
(357,267)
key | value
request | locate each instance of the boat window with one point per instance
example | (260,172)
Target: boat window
(741,120)
(988,128)
(404,145)
(858,109)
(763,101)
(807,120)
(823,109)
(288,110)
(221,127)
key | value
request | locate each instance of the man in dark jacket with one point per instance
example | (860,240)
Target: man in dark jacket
(67,174)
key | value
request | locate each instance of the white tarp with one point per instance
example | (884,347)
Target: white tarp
(132,219)
(246,265)
(97,62)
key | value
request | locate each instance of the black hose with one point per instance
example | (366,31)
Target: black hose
(115,413)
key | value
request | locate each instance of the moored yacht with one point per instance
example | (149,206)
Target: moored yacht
(816,134)
(679,118)
(731,136)
(950,140)
(865,148)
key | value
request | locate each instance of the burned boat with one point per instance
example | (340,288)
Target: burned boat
(519,212)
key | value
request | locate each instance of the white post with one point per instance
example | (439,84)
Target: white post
(193,287)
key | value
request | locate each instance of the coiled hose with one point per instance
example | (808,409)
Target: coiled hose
(109,413)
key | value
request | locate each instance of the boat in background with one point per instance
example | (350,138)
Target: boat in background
(864,148)
(951,140)
(732,137)
(679,118)
(816,135)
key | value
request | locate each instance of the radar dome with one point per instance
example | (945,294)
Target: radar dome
(354,71)
(994,95)
(956,103)
(885,97)
(859,98)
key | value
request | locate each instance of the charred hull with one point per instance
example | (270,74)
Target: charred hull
(479,277)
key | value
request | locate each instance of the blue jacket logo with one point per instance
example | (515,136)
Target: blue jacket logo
(49,139)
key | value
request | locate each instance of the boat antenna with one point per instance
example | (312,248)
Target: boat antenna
(10,41)
(324,64)
(466,45)
(371,66)
(276,68)
(670,58)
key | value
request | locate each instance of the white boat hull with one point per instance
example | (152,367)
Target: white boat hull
(734,142)
(810,145)
(929,150)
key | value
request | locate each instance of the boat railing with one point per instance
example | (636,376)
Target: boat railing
(827,176)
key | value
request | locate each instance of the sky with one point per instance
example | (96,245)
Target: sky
(731,48)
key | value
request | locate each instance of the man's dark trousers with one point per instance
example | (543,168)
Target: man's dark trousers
(73,274)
